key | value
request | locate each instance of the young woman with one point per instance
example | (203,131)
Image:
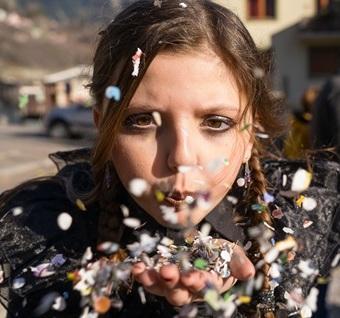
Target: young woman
(182,108)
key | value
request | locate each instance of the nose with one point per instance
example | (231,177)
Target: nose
(182,150)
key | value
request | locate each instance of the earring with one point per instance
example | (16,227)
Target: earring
(247,174)
(245,180)
(108,176)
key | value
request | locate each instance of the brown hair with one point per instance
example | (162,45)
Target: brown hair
(173,28)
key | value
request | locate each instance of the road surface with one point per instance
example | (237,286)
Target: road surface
(24,152)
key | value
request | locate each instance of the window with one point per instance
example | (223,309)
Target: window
(324,61)
(323,5)
(261,9)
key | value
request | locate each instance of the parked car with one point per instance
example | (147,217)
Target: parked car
(71,121)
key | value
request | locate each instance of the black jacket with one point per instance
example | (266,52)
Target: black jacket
(33,237)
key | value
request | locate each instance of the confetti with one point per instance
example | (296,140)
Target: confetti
(157,3)
(64,221)
(108,247)
(301,180)
(124,210)
(244,299)
(141,294)
(307,223)
(183,5)
(309,204)
(88,255)
(306,312)
(42,270)
(132,222)
(335,260)
(284,180)
(211,297)
(233,200)
(167,241)
(262,135)
(245,127)
(169,214)
(102,304)
(138,187)
(185,169)
(157,118)
(113,92)
(59,304)
(277,214)
(136,62)
(306,268)
(268,198)
(268,226)
(287,230)
(286,244)
(17,211)
(80,204)
(299,200)
(258,207)
(160,196)
(18,282)
(241,182)
(258,72)
(205,229)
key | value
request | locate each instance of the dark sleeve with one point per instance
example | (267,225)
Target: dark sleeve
(33,237)
(318,243)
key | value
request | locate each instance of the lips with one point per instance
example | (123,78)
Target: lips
(178,199)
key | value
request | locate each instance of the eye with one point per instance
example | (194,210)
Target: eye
(218,123)
(139,121)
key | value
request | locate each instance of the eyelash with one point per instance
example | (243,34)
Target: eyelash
(131,122)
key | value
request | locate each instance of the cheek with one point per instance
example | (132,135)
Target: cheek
(131,160)
(234,150)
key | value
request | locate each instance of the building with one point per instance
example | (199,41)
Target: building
(303,35)
(263,18)
(67,87)
(308,52)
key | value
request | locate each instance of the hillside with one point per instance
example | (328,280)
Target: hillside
(43,36)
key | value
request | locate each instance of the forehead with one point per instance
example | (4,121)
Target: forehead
(188,79)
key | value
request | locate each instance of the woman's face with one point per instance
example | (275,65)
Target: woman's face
(198,145)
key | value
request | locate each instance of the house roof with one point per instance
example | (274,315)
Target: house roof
(74,72)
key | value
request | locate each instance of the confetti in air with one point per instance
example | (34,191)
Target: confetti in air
(157,3)
(258,72)
(17,211)
(136,62)
(157,118)
(183,5)
(301,180)
(64,221)
(138,187)
(80,204)
(309,204)
(132,222)
(113,93)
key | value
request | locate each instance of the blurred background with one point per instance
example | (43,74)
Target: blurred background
(45,61)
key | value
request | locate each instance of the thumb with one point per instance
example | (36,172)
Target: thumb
(240,265)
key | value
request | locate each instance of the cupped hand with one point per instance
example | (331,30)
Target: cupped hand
(181,288)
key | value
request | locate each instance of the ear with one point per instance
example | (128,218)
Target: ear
(96,116)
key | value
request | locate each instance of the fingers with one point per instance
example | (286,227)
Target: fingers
(195,281)
(240,265)
(148,278)
(169,275)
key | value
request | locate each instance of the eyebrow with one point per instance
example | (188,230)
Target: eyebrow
(206,109)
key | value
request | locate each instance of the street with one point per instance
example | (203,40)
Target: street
(24,150)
